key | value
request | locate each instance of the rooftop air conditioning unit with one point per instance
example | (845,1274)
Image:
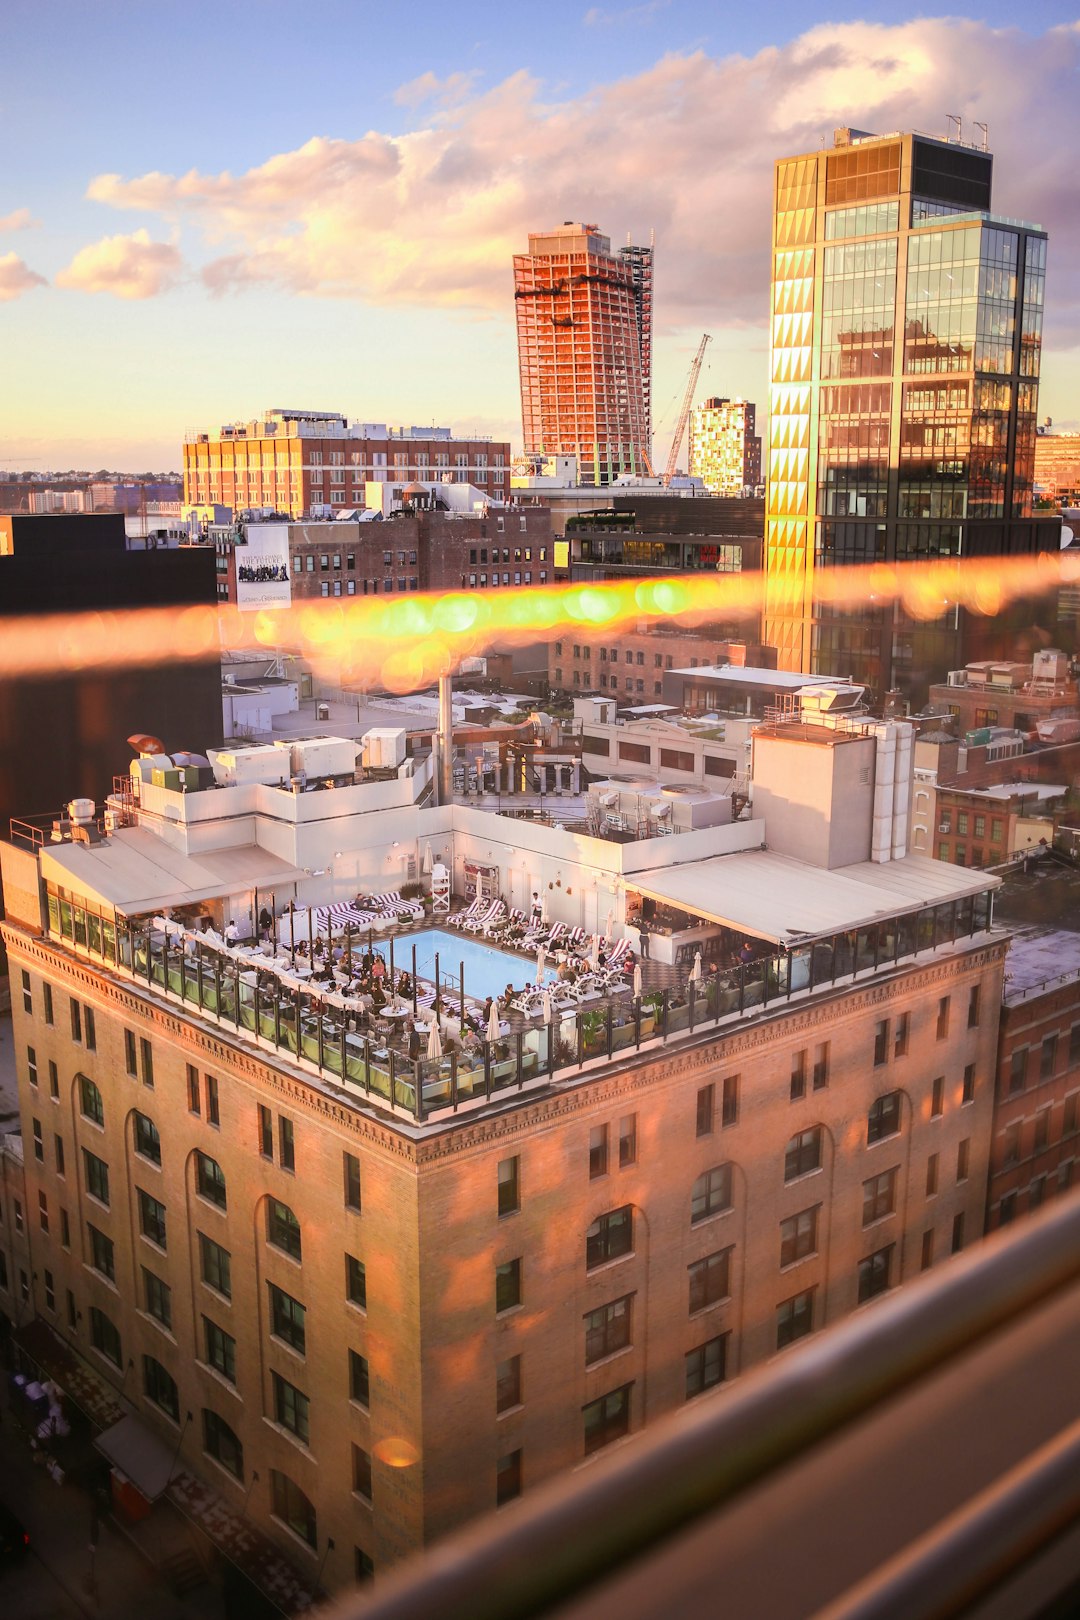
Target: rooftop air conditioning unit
(958,677)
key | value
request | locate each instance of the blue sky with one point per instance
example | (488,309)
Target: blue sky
(205,209)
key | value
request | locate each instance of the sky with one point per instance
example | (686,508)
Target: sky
(209,209)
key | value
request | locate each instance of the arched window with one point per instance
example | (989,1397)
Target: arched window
(210,1179)
(90,1103)
(222,1444)
(609,1236)
(282,1228)
(160,1387)
(803,1153)
(289,1504)
(884,1117)
(147,1140)
(711,1194)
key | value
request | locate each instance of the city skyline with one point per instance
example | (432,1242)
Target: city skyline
(148,242)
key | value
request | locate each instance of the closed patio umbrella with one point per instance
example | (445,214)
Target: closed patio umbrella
(434,1042)
(637,978)
(545,1006)
(695,971)
(493,1031)
(541,963)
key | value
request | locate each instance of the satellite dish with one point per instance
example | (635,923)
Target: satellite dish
(1067,536)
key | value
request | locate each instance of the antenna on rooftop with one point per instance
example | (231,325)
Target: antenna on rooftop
(955,118)
(985,135)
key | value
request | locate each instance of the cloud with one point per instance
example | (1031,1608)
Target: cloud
(433,216)
(597,17)
(130,267)
(20,220)
(16,278)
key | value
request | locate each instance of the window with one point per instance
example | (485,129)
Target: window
(102,1256)
(943,1018)
(1069,1114)
(937,1097)
(968,1093)
(973,1007)
(711,1193)
(157,1298)
(213,1112)
(31,1066)
(286,1143)
(105,1337)
(18,1213)
(607,1419)
(147,1140)
(508,1384)
(705,1104)
(147,1062)
(287,1318)
(130,1059)
(90,1104)
(1017,1071)
(159,1386)
(1048,1058)
(609,1236)
(266,1132)
(65,1229)
(795,1318)
(607,1329)
(507,1286)
(355,1281)
(97,1176)
(709,1280)
(291,1408)
(363,1566)
(27,998)
(361,1472)
(90,1029)
(210,1179)
(508,1477)
(881,1042)
(54,1081)
(352,1181)
(963,1151)
(151,1218)
(359,1378)
(221,1443)
(39,1142)
(798,1236)
(76,1021)
(931,1175)
(879,1197)
(798,1075)
(598,1151)
(957,1233)
(216,1265)
(926,1258)
(47,999)
(884,1118)
(821,1066)
(58,1149)
(509,1185)
(729,1107)
(706,1366)
(194,1104)
(803,1153)
(874,1274)
(50,1290)
(1011,1151)
(282,1228)
(900,1035)
(627,1141)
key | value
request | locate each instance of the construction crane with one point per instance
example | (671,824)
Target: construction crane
(684,414)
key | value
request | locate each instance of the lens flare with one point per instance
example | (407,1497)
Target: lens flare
(403,645)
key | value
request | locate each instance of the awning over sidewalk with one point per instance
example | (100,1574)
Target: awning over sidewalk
(147,1461)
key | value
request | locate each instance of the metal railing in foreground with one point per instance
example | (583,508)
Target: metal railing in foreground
(581,1529)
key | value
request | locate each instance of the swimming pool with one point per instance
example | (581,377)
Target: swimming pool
(487,969)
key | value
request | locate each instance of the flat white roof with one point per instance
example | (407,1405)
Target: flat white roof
(778,898)
(134,871)
(780,679)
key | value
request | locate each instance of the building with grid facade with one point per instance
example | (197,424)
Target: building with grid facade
(725,451)
(904,374)
(584,327)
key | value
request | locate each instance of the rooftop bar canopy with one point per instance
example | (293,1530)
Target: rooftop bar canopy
(134,871)
(778,898)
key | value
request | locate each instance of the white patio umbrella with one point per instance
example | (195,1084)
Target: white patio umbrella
(695,971)
(594,950)
(493,1031)
(545,1006)
(609,926)
(637,978)
(434,1040)
(428,861)
(541,963)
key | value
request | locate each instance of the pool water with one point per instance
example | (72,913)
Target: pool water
(487,969)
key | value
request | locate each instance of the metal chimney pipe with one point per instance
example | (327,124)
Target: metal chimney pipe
(446,739)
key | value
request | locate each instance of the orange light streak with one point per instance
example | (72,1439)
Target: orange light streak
(405,643)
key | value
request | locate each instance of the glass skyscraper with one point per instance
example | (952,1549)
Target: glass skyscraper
(906,337)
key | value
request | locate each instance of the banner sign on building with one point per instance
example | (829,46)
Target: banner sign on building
(262,567)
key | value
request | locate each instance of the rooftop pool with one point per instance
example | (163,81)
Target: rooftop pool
(487,969)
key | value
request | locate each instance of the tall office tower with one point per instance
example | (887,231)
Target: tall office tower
(584,325)
(906,336)
(725,452)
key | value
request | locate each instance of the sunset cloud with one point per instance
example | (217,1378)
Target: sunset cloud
(130,267)
(431,217)
(16,278)
(20,220)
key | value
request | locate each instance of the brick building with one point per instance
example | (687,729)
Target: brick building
(299,462)
(631,662)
